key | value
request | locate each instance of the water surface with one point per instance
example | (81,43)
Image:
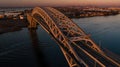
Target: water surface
(35,48)
(105,31)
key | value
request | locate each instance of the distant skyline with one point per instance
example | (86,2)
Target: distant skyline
(33,3)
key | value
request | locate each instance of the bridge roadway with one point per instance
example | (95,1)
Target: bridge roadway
(98,56)
(87,59)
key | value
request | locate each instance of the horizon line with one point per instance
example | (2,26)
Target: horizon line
(57,6)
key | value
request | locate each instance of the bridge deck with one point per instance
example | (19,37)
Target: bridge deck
(102,59)
(88,60)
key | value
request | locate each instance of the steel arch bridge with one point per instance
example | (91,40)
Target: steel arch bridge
(76,45)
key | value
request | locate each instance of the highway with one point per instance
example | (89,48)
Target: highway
(88,60)
(98,56)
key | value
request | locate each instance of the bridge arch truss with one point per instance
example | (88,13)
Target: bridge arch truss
(64,31)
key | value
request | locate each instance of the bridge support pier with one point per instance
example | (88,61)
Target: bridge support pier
(32,22)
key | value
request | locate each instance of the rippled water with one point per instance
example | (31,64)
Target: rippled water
(27,48)
(33,48)
(103,30)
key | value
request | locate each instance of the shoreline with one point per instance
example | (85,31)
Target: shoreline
(11,25)
(87,12)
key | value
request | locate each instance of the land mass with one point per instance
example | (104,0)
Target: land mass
(83,12)
(12,23)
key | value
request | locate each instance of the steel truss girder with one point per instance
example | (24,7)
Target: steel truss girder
(56,32)
(55,28)
(61,17)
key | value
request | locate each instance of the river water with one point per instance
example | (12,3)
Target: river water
(35,48)
(105,31)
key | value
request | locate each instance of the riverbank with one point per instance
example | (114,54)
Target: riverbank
(11,25)
(83,12)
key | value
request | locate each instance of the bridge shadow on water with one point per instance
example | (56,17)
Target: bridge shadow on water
(35,43)
(47,53)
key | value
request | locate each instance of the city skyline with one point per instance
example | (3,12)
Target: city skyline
(33,3)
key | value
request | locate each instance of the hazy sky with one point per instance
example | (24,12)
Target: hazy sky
(27,3)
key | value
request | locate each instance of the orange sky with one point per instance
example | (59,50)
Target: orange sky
(24,3)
